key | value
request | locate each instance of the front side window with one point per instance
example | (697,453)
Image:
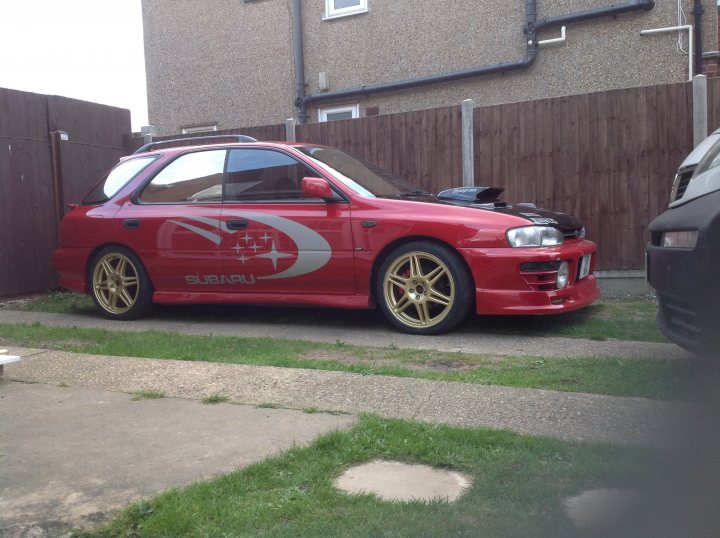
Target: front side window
(341,8)
(339,113)
(264,175)
(117,179)
(191,178)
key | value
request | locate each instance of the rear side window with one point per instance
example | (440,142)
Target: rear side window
(117,179)
(191,178)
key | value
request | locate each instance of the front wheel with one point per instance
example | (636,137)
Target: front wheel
(424,288)
(119,284)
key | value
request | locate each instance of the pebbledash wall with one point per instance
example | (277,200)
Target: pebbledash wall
(230,62)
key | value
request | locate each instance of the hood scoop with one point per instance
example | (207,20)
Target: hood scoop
(474,195)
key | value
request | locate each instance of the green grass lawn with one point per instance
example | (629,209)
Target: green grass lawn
(632,319)
(520,483)
(649,378)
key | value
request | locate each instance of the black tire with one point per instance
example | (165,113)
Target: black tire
(424,288)
(119,284)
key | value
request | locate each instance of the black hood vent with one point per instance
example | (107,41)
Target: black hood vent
(487,198)
(473,195)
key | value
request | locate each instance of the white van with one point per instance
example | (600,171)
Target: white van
(683,256)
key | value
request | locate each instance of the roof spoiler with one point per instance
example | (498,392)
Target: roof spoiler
(233,138)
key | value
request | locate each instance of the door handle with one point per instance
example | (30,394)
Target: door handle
(131,224)
(239,224)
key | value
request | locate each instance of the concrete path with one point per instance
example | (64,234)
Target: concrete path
(571,416)
(74,445)
(321,328)
(69,455)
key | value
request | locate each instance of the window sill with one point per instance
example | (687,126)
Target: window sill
(327,17)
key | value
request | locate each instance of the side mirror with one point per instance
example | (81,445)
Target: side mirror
(317,187)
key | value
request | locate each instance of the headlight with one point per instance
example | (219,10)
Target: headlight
(686,239)
(534,236)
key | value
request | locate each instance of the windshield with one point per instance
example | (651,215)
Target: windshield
(361,176)
(710,160)
(117,179)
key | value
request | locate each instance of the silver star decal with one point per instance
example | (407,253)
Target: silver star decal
(243,259)
(274,255)
(246,237)
(254,247)
(237,248)
(266,237)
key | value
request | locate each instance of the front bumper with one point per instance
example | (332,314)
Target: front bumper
(502,288)
(685,279)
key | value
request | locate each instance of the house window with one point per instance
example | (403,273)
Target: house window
(339,113)
(200,128)
(341,8)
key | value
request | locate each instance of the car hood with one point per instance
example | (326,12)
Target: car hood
(486,199)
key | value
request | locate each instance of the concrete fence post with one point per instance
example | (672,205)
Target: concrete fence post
(290,124)
(148,132)
(700,106)
(468,152)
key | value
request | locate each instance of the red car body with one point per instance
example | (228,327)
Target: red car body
(306,250)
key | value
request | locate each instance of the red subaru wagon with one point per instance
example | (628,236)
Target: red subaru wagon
(300,224)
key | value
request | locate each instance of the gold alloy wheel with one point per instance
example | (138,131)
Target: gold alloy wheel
(115,283)
(419,289)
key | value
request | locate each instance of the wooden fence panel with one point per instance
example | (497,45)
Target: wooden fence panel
(424,147)
(28,216)
(27,213)
(608,158)
(98,135)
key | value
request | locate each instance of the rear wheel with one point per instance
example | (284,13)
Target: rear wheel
(424,288)
(119,284)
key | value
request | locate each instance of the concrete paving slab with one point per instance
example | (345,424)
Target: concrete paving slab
(397,481)
(69,454)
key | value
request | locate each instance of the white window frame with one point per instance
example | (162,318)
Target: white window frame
(332,13)
(323,112)
(200,129)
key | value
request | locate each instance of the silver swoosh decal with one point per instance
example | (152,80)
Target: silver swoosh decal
(313,250)
(215,238)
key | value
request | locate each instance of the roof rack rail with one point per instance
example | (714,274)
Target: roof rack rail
(152,145)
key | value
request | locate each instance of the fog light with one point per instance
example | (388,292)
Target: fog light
(563,275)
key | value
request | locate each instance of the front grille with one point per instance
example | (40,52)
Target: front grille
(680,184)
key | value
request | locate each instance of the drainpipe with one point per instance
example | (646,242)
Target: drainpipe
(590,14)
(300,102)
(531,28)
(503,67)
(698,12)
